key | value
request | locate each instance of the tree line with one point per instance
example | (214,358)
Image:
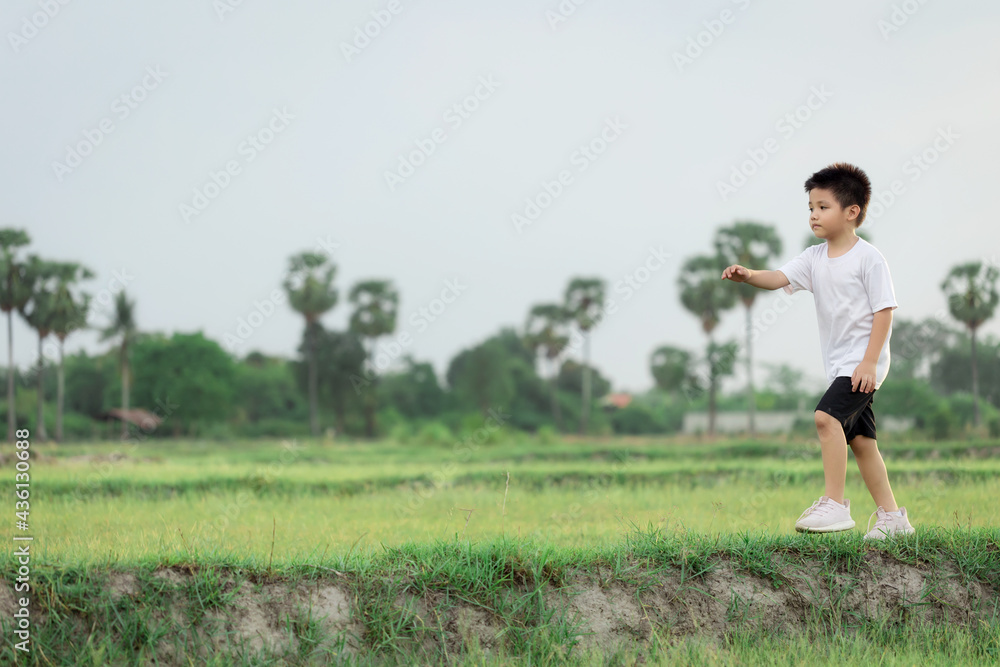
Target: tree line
(336,379)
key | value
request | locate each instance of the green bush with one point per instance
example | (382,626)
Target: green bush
(600,422)
(273,428)
(907,398)
(433,433)
(940,422)
(79,427)
(637,419)
(994,426)
(76,426)
(387,419)
(961,406)
(546,435)
(765,400)
(401,433)
(451,420)
(483,429)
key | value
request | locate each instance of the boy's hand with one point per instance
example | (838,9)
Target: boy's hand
(736,273)
(863,378)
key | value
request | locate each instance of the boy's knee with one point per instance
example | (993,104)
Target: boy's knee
(825,420)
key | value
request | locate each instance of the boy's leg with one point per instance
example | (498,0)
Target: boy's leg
(833,444)
(873,472)
(832,512)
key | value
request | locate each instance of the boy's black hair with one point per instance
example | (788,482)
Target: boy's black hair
(849,185)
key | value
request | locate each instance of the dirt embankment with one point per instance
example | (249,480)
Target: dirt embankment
(181,619)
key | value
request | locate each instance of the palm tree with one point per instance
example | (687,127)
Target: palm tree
(38,311)
(749,244)
(707,297)
(309,284)
(69,315)
(123,326)
(376,303)
(972,299)
(13,295)
(545,332)
(585,306)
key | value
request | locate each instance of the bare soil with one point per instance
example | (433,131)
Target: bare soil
(608,615)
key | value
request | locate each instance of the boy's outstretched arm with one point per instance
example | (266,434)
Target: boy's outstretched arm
(863,378)
(763,279)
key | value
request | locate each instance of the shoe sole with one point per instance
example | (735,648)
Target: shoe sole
(832,528)
(890,535)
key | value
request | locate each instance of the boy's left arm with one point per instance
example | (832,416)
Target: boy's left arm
(863,378)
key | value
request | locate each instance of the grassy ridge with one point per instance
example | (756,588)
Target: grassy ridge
(512,581)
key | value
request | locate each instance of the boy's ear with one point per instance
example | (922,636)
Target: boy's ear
(853,211)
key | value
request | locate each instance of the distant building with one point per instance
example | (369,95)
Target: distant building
(613,402)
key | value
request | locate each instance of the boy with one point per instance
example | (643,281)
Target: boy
(854,302)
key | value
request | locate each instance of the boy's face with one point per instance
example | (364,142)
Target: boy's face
(827,218)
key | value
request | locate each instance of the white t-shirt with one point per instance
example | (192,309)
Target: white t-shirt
(848,290)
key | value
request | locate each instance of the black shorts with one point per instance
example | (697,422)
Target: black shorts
(853,409)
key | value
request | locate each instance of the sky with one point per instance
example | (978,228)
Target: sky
(481,155)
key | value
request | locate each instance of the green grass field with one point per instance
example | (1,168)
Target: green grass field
(365,510)
(228,499)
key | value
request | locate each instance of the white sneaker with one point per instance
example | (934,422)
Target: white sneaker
(888,524)
(826,516)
